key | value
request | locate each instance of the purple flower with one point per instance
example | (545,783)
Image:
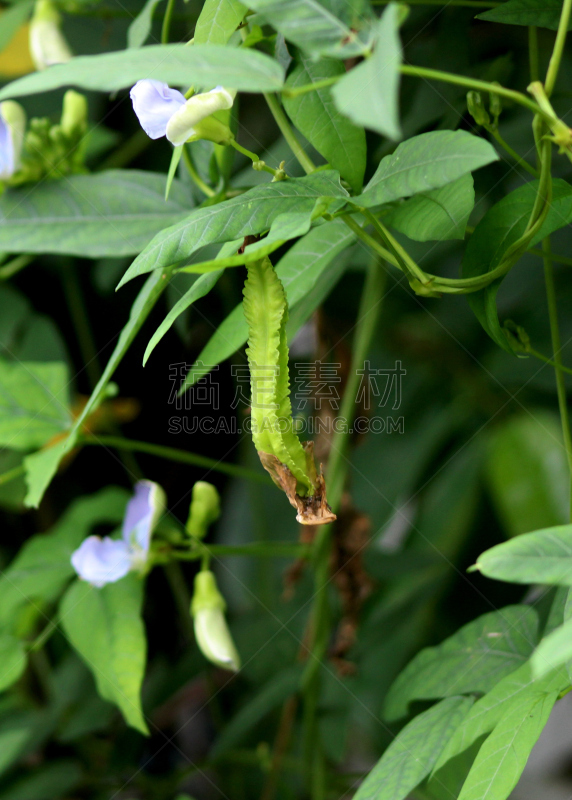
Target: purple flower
(12,127)
(155,103)
(100,561)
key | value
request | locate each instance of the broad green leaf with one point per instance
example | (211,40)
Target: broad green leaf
(527,472)
(218,20)
(502,226)
(503,756)
(473,659)
(113,213)
(437,215)
(540,557)
(314,114)
(249,213)
(414,751)
(105,627)
(140,28)
(13,18)
(34,403)
(299,270)
(42,466)
(487,712)
(12,661)
(175,64)
(277,690)
(425,162)
(312,27)
(542,13)
(369,93)
(56,779)
(200,288)
(554,650)
(42,567)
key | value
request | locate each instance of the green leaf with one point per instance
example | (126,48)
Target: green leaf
(105,627)
(218,20)
(34,403)
(414,751)
(140,28)
(369,93)
(113,213)
(200,288)
(425,162)
(437,215)
(175,64)
(473,659)
(12,19)
(42,567)
(503,756)
(314,114)
(42,466)
(312,27)
(542,13)
(14,735)
(541,557)
(249,213)
(54,780)
(12,661)
(502,226)
(496,704)
(299,270)
(527,472)
(554,650)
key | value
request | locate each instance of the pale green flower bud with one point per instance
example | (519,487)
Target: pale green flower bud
(74,114)
(477,108)
(194,120)
(47,43)
(211,631)
(204,510)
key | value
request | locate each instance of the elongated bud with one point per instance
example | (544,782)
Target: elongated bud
(47,43)
(495,104)
(477,108)
(211,631)
(204,510)
(194,120)
(12,130)
(74,114)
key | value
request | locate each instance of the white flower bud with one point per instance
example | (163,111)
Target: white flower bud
(211,631)
(190,121)
(47,43)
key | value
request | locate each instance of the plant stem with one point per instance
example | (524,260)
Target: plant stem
(294,91)
(532,352)
(370,241)
(126,152)
(557,52)
(12,474)
(167,22)
(286,129)
(398,251)
(253,157)
(513,154)
(555,259)
(557,356)
(14,266)
(196,178)
(181,595)
(446,3)
(173,454)
(80,319)
(368,315)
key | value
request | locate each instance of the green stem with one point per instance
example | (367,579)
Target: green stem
(12,474)
(128,151)
(533,53)
(195,177)
(555,259)
(557,52)
(286,129)
(14,266)
(367,239)
(253,157)
(167,22)
(368,315)
(446,3)
(512,153)
(80,319)
(532,352)
(172,454)
(557,356)
(398,251)
(181,595)
(43,636)
(294,91)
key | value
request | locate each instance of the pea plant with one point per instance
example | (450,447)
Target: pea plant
(341,228)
